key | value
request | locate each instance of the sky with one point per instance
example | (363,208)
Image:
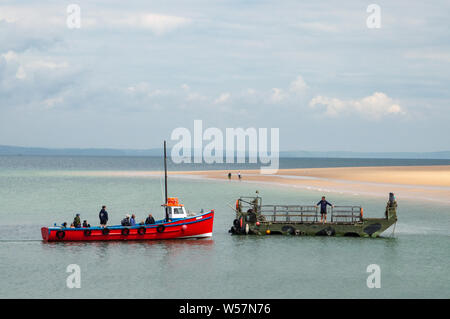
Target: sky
(136,70)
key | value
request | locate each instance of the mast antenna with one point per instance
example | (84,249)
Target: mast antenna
(165,181)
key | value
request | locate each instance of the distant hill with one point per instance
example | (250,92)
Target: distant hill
(342,154)
(18,150)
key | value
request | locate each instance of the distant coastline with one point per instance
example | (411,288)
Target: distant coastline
(156,152)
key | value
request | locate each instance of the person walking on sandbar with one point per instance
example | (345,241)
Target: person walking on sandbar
(323,208)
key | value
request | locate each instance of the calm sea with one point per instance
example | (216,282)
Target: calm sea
(38,191)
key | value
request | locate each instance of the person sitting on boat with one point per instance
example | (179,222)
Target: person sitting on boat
(77,221)
(103,215)
(85,224)
(64,225)
(133,220)
(126,221)
(323,208)
(150,220)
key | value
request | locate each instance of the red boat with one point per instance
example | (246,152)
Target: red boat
(177,225)
(199,226)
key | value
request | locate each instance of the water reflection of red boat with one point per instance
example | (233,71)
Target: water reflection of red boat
(177,225)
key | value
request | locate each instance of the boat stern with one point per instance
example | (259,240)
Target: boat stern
(45,233)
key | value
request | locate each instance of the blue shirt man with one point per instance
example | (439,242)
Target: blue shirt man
(133,220)
(323,208)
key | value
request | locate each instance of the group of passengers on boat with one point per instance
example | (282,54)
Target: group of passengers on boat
(129,220)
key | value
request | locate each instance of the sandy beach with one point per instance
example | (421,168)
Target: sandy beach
(413,182)
(424,183)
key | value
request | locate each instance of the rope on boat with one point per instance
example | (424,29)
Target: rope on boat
(393,230)
(232,207)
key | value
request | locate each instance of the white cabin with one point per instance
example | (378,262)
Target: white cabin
(176,212)
(175,209)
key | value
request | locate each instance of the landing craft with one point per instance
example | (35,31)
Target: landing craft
(254,218)
(178,224)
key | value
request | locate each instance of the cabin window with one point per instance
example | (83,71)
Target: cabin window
(177,211)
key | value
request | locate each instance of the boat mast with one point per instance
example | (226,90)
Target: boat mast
(165,181)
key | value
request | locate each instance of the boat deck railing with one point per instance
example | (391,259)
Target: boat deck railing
(346,214)
(309,214)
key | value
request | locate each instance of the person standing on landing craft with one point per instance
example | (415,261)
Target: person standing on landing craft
(239,175)
(323,208)
(103,215)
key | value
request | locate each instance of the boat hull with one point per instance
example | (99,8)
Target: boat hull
(200,226)
(369,227)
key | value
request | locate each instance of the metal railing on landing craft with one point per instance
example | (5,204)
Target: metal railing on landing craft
(289,213)
(309,214)
(346,214)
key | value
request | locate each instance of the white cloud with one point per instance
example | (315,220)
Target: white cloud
(10,56)
(91,17)
(161,24)
(52,102)
(21,74)
(277,95)
(30,17)
(41,64)
(25,65)
(375,106)
(194,96)
(298,85)
(145,89)
(222,98)
(158,23)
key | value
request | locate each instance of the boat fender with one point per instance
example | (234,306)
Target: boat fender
(142,230)
(105,231)
(125,232)
(87,232)
(247,229)
(60,234)
(242,227)
(160,228)
(183,228)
